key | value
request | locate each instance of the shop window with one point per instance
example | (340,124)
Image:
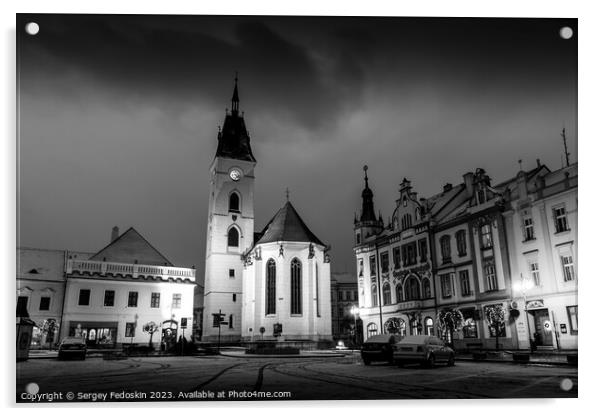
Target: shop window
(429,328)
(130,329)
(469,330)
(372,329)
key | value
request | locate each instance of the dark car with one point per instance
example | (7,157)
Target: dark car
(72,347)
(379,348)
(424,349)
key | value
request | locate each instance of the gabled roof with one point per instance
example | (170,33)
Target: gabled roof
(131,247)
(287,225)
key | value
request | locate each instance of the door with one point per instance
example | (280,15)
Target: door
(543,328)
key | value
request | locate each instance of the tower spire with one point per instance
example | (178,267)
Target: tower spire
(367,204)
(235,99)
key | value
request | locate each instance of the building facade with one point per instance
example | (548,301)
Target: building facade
(108,297)
(275,283)
(472,248)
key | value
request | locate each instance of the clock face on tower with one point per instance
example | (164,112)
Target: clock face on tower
(235,174)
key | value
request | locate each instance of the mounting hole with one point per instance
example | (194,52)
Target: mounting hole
(566,384)
(566,32)
(32,28)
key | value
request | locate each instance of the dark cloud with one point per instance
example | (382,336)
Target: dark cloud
(119,116)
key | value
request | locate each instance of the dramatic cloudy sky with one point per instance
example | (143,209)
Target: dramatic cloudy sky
(119,117)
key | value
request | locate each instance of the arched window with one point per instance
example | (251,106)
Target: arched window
(426,288)
(386,294)
(412,289)
(234,203)
(399,293)
(372,329)
(270,287)
(296,296)
(233,237)
(429,329)
(374,296)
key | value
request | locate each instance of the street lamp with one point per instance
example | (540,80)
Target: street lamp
(355,311)
(523,286)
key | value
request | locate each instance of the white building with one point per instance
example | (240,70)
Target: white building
(240,263)
(541,219)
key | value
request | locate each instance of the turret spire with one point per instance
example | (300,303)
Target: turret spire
(235,99)
(367,204)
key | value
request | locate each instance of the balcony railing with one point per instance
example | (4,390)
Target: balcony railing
(136,271)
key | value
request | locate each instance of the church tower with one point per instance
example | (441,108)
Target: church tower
(230,225)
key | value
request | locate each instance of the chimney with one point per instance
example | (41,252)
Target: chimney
(538,163)
(114,233)
(469,183)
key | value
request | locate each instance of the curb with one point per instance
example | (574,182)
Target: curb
(559,363)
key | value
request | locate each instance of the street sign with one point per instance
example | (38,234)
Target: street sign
(184,323)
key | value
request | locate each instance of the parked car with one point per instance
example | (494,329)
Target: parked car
(379,348)
(424,349)
(72,347)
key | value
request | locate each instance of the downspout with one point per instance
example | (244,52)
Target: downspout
(380,303)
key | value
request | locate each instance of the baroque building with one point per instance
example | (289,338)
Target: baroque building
(274,284)
(473,247)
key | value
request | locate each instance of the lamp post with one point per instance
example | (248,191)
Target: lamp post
(355,311)
(523,286)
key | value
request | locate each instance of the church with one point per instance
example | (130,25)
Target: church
(267,285)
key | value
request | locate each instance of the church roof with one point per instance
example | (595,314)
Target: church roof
(131,247)
(287,225)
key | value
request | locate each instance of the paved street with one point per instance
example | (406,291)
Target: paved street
(229,378)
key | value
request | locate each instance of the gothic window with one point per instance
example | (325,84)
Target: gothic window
(234,203)
(233,237)
(486,237)
(461,242)
(426,288)
(386,294)
(399,293)
(296,296)
(374,296)
(270,296)
(318,293)
(445,248)
(412,289)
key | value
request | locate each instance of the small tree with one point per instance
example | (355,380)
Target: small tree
(496,316)
(393,325)
(450,321)
(49,327)
(150,328)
